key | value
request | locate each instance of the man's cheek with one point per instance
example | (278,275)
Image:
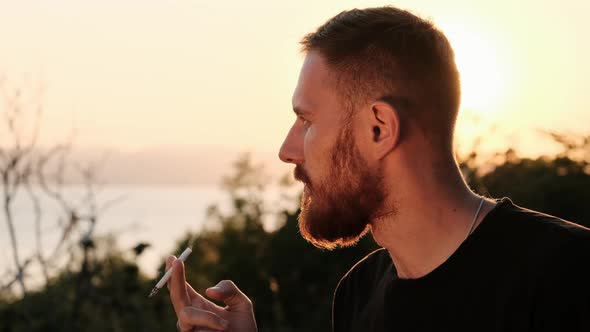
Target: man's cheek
(309,137)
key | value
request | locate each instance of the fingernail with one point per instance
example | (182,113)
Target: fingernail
(215,288)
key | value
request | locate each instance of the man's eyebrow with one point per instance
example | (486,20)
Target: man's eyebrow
(300,111)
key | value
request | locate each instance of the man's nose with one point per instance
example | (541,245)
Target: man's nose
(292,149)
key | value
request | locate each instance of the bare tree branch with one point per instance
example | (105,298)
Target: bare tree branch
(35,201)
(44,173)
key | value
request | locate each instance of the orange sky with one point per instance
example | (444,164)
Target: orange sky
(141,74)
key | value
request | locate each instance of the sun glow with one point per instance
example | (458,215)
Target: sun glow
(482,77)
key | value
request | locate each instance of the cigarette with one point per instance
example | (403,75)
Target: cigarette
(168,273)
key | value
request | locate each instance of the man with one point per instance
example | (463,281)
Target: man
(376,104)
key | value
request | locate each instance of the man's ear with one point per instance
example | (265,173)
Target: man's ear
(385,127)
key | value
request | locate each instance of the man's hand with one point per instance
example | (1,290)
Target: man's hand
(196,313)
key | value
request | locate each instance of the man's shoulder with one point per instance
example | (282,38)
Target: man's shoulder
(557,252)
(542,228)
(366,272)
(539,240)
(356,286)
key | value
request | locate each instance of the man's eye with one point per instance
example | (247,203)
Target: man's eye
(304,121)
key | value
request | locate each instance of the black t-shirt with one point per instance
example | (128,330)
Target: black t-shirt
(520,270)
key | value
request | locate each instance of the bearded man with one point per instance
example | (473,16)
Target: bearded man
(376,105)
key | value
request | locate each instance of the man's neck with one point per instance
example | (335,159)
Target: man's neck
(427,226)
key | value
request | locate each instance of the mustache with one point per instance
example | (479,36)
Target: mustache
(301,175)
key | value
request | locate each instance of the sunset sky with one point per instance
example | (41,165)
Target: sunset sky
(174,90)
(137,74)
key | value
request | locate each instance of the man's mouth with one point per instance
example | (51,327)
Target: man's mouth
(300,175)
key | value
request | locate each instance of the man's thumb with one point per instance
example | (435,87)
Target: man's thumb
(229,293)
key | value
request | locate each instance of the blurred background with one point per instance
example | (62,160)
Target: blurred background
(128,127)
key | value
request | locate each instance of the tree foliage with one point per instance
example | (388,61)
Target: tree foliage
(289,281)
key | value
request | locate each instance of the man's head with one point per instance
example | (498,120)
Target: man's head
(371,80)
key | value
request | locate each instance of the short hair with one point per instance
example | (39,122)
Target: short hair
(392,55)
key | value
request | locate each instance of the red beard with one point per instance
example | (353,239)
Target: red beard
(338,211)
